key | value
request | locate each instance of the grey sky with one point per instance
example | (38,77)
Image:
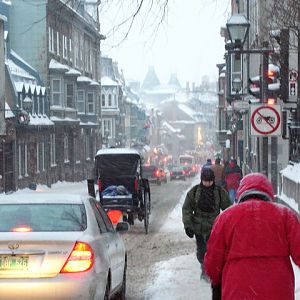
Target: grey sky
(188,42)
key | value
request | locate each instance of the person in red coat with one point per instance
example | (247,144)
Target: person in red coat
(233,176)
(251,245)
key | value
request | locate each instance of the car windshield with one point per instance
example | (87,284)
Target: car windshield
(43,217)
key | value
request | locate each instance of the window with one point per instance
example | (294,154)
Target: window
(70,50)
(106,220)
(87,146)
(100,221)
(70,95)
(78,144)
(51,39)
(80,101)
(65,47)
(103,100)
(109,100)
(66,148)
(52,150)
(41,104)
(91,103)
(56,92)
(43,216)
(37,158)
(76,49)
(107,128)
(20,160)
(57,43)
(42,156)
(115,100)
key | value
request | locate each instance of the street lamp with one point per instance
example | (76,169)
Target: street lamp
(238,29)
(237,84)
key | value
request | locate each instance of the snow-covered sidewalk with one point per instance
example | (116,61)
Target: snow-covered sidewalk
(179,278)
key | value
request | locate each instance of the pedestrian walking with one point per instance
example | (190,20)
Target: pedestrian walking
(233,176)
(201,207)
(208,164)
(251,245)
(218,170)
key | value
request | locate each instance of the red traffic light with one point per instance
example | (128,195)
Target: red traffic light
(271,101)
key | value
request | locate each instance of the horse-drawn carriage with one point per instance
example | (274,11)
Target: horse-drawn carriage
(121,186)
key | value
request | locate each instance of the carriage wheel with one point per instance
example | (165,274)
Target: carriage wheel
(146,211)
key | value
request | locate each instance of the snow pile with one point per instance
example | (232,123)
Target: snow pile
(175,273)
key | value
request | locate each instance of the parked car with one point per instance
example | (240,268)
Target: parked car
(152,173)
(163,175)
(59,246)
(178,173)
(188,171)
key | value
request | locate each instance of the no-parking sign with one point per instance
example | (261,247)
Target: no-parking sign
(265,120)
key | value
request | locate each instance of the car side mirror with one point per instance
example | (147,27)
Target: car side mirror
(122,226)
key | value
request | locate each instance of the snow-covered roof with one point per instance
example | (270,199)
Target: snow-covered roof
(117,151)
(40,120)
(8,112)
(84,79)
(18,71)
(88,123)
(183,122)
(130,100)
(73,72)
(170,128)
(56,119)
(107,81)
(55,65)
(187,110)
(95,83)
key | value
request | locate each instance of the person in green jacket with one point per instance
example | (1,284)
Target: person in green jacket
(203,203)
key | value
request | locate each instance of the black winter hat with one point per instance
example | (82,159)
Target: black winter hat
(207,174)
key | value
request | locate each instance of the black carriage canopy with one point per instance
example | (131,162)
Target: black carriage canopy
(117,164)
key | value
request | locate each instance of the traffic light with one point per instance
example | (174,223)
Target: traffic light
(254,86)
(273,83)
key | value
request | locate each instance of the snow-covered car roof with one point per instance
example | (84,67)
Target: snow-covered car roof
(41,197)
(117,151)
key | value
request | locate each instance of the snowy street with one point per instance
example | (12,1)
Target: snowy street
(175,278)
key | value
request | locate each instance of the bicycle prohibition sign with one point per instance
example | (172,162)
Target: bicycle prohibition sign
(265,120)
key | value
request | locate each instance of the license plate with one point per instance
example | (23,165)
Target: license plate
(177,177)
(14,263)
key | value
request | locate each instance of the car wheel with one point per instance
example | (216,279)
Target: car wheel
(158,182)
(121,295)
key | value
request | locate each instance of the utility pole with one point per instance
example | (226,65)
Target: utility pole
(264,96)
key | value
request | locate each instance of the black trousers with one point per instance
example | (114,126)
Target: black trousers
(201,242)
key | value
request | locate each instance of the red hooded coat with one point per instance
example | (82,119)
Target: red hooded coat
(250,246)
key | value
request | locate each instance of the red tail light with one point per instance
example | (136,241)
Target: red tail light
(156,173)
(136,184)
(99,185)
(81,259)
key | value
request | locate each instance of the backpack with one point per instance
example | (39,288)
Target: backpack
(208,206)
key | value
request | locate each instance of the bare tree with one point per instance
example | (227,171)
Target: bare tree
(125,14)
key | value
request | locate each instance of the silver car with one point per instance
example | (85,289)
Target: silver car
(58,246)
